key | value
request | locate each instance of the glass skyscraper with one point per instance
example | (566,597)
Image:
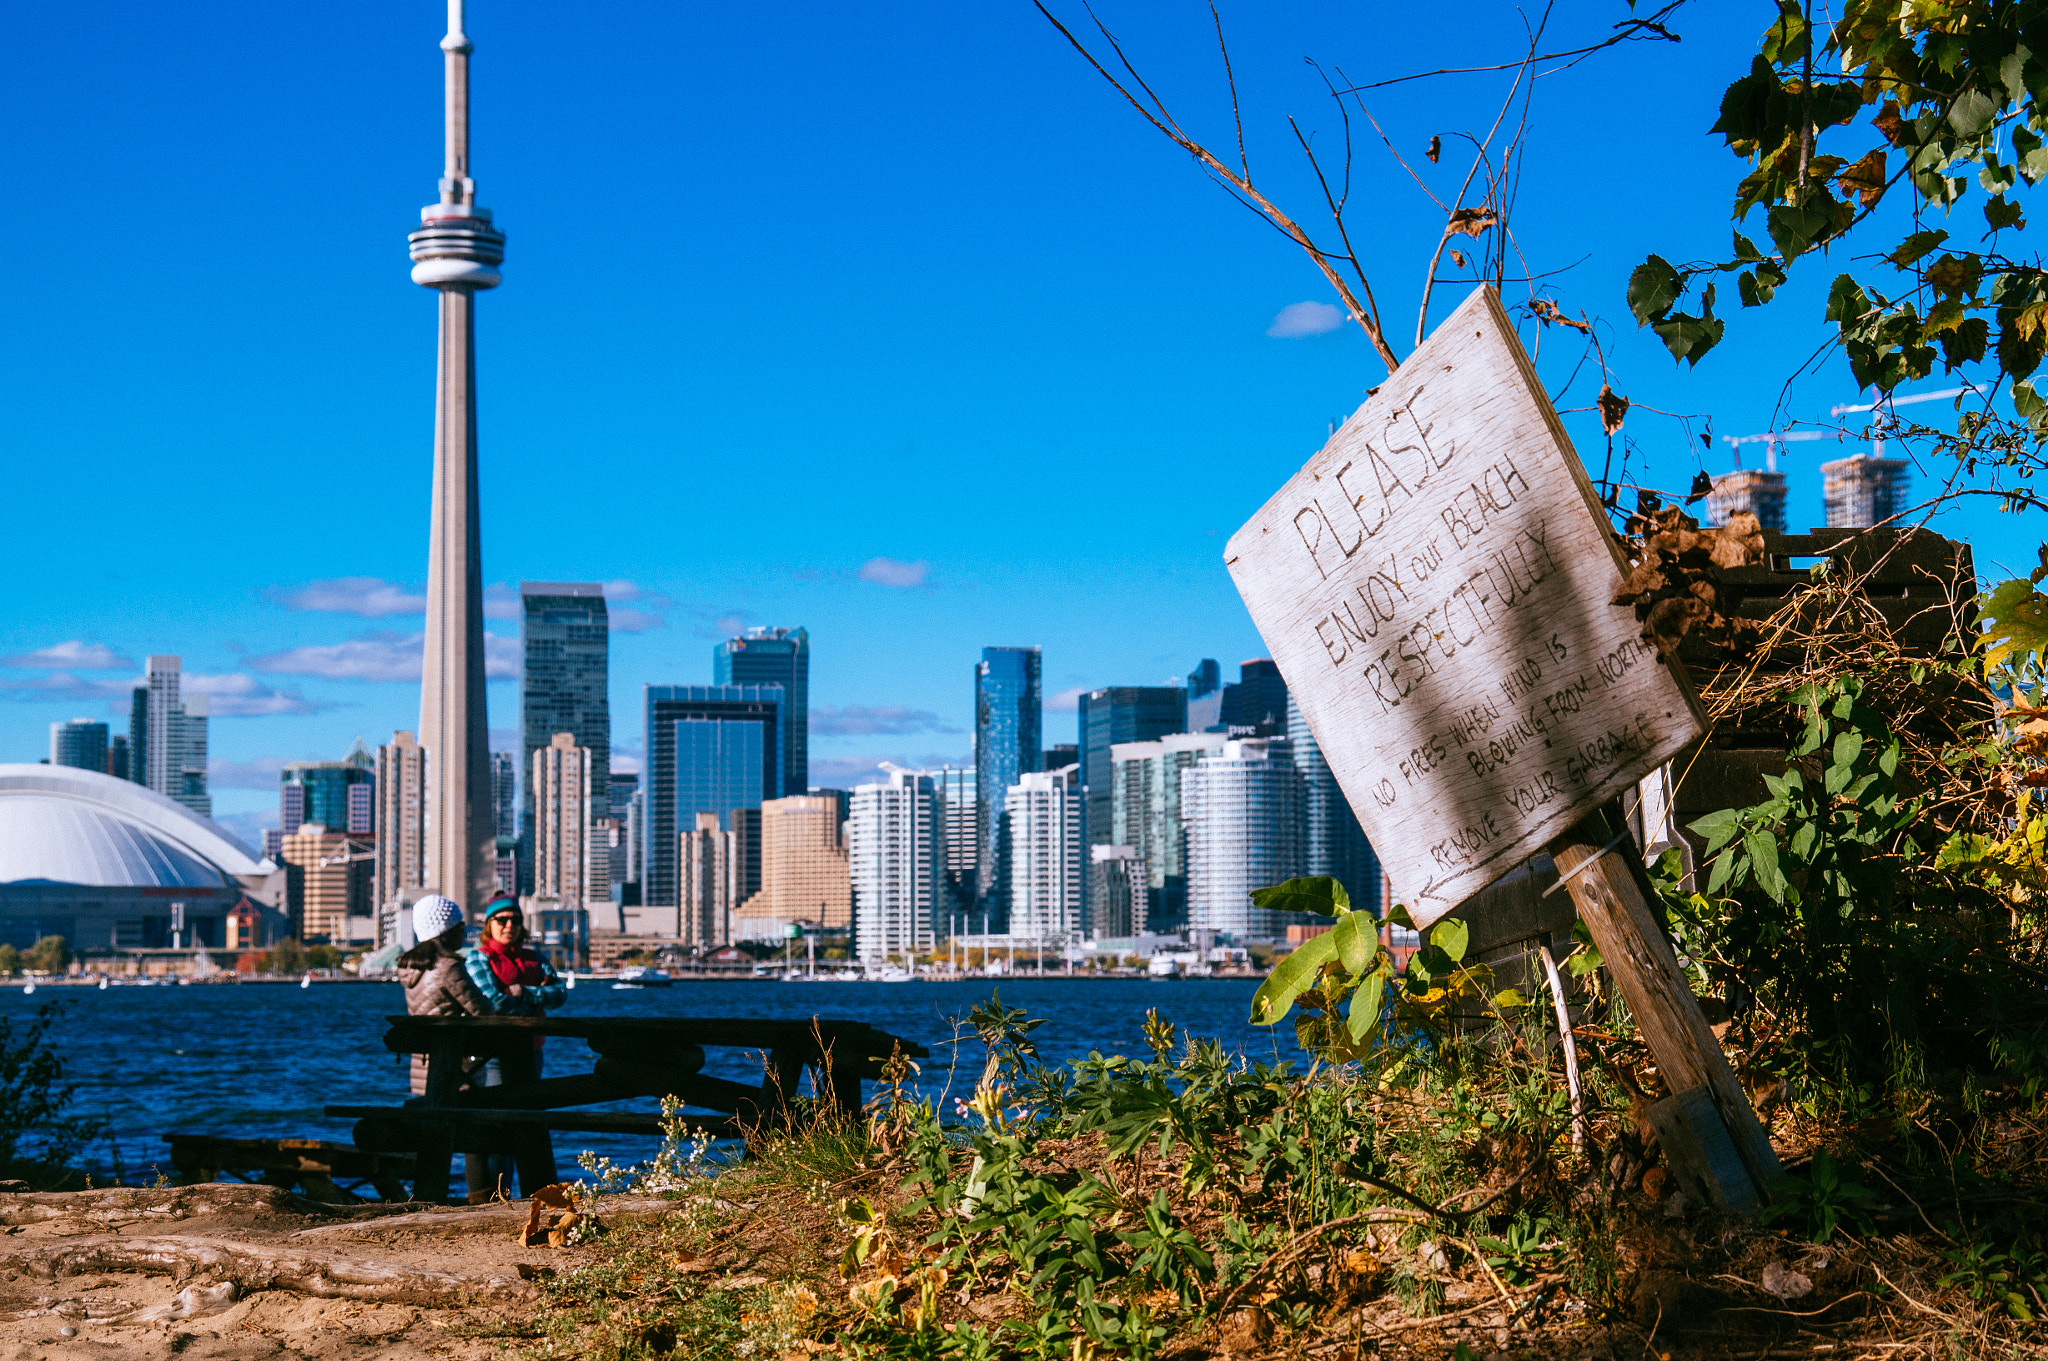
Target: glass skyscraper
(1123,713)
(708,746)
(1009,734)
(565,647)
(775,656)
(1334,843)
(1242,810)
(337,795)
(81,743)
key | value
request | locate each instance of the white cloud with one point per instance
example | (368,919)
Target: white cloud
(890,572)
(729,623)
(1067,701)
(236,694)
(84,656)
(626,619)
(1299,319)
(624,764)
(385,655)
(64,685)
(260,773)
(632,609)
(844,772)
(501,601)
(365,597)
(860,719)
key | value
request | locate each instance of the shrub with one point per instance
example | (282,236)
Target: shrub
(33,1094)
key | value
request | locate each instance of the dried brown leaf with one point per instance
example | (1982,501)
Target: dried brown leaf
(1472,221)
(1889,122)
(1436,149)
(1865,179)
(1613,409)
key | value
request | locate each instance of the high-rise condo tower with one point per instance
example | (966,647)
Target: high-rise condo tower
(456,251)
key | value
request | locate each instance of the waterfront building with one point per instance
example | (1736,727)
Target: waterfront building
(1119,892)
(80,743)
(1009,722)
(1862,491)
(1106,717)
(456,252)
(109,865)
(175,732)
(330,879)
(1205,695)
(1333,842)
(775,656)
(504,794)
(707,871)
(710,749)
(1044,859)
(804,872)
(1145,814)
(1758,491)
(1261,699)
(624,789)
(959,815)
(1242,808)
(337,794)
(401,826)
(118,764)
(896,853)
(560,783)
(565,660)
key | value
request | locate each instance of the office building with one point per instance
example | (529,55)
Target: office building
(560,783)
(1119,892)
(1863,491)
(456,252)
(329,879)
(118,757)
(138,735)
(1045,857)
(337,794)
(175,734)
(1261,699)
(273,844)
(775,656)
(729,758)
(959,816)
(603,842)
(401,791)
(1761,493)
(1119,714)
(80,743)
(804,872)
(706,871)
(1333,841)
(504,794)
(565,657)
(895,852)
(1145,814)
(1242,807)
(1205,696)
(1009,724)
(619,808)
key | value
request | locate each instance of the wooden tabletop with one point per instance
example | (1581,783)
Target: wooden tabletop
(850,1038)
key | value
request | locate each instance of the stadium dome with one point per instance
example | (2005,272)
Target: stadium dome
(109,864)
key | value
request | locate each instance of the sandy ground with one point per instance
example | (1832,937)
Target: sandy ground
(234,1271)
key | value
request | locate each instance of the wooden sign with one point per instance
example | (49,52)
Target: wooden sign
(1434,586)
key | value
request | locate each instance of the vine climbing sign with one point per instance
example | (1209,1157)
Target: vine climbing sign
(1435,586)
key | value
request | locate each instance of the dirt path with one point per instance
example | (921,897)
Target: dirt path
(233,1271)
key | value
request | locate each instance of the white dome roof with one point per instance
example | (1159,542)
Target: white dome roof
(66,826)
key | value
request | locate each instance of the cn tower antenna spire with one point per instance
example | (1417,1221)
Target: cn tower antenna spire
(456,252)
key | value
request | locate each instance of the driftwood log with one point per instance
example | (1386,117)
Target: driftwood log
(131,1204)
(256,1266)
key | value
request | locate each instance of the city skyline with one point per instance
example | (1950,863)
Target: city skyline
(885,556)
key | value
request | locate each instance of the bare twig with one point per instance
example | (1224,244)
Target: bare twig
(1651,28)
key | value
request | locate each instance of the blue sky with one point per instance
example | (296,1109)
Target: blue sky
(891,321)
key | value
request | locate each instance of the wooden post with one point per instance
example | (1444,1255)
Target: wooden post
(437,1138)
(1714,1144)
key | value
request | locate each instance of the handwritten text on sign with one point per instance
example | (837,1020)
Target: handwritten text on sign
(1434,586)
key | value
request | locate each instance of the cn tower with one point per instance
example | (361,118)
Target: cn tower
(456,251)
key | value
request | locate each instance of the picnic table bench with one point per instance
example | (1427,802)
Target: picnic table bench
(637,1057)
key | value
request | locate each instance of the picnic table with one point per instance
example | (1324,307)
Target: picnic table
(636,1057)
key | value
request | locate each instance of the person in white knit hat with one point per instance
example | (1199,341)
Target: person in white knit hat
(436,981)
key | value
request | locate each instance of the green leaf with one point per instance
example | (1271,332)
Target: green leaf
(1509,997)
(1717,828)
(1290,978)
(1910,250)
(1451,936)
(1318,893)
(1365,1006)
(1972,113)
(1357,941)
(1652,288)
(2015,618)
(1763,863)
(2002,212)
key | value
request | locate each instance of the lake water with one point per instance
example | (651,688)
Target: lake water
(262,1059)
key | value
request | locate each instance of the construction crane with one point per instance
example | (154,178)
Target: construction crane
(1771,439)
(1883,405)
